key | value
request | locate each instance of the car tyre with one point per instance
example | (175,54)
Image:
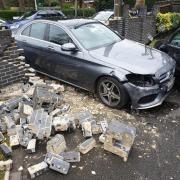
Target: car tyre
(112,93)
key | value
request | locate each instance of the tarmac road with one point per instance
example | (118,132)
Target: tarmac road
(155,154)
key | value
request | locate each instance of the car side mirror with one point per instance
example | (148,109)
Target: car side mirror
(68,47)
(163,48)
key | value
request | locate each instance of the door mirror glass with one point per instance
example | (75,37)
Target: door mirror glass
(163,48)
(68,47)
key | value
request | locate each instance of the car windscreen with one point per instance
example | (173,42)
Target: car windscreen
(95,35)
(103,16)
(27,15)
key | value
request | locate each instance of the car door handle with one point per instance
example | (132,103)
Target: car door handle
(51,48)
(25,41)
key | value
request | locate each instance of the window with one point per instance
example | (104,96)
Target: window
(26,31)
(95,35)
(176,40)
(38,30)
(58,36)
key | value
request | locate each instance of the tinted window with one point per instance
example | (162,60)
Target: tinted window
(176,40)
(58,36)
(26,31)
(38,30)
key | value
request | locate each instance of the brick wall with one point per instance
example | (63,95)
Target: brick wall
(135,28)
(12,65)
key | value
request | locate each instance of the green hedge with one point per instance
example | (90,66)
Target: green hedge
(168,21)
(9,14)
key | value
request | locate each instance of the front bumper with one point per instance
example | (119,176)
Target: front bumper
(149,97)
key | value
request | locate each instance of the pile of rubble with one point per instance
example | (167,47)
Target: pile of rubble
(42,115)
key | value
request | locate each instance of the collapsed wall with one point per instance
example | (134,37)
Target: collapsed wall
(12,64)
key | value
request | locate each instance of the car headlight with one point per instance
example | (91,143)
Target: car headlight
(14,26)
(141,80)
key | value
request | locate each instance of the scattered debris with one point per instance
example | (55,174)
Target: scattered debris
(59,165)
(119,139)
(88,145)
(20,168)
(71,156)
(37,169)
(5,149)
(6,165)
(31,148)
(56,145)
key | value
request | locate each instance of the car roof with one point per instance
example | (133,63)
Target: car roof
(76,22)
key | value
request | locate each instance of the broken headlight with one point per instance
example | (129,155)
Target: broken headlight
(141,80)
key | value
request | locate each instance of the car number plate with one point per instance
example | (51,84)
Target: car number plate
(170,84)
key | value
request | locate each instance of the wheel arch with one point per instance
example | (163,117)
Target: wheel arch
(105,75)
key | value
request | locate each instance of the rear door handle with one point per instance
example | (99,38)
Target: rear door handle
(51,48)
(25,41)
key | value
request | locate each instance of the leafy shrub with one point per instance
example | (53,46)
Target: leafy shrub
(168,21)
(9,14)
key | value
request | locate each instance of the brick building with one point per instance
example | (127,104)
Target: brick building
(169,6)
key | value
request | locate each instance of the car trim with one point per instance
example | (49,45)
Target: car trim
(53,77)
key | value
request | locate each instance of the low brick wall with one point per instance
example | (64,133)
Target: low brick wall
(12,65)
(136,28)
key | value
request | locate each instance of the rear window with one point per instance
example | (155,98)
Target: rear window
(38,30)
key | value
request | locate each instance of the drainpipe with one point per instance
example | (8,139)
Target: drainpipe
(76,7)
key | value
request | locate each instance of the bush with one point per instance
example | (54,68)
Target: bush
(168,21)
(9,14)
(81,13)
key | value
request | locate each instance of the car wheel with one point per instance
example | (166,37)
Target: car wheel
(112,93)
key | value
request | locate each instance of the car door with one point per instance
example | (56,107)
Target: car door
(32,41)
(174,49)
(64,65)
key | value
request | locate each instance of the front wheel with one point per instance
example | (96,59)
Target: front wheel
(112,93)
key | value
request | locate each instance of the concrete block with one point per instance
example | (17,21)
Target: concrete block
(102,138)
(59,165)
(6,165)
(56,145)
(31,148)
(119,139)
(71,156)
(88,145)
(37,169)
(6,150)
(14,141)
(86,128)
(49,156)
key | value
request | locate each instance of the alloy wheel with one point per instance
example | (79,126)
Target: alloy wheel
(109,93)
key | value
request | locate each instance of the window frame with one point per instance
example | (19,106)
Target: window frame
(48,31)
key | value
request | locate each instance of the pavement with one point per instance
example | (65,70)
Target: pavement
(155,154)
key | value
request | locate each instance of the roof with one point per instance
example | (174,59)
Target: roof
(76,22)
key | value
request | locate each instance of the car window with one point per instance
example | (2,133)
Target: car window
(176,40)
(58,35)
(26,31)
(38,30)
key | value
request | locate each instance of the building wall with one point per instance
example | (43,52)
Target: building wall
(12,65)
(135,28)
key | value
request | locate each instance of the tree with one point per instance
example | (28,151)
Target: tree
(2,4)
(21,5)
(101,5)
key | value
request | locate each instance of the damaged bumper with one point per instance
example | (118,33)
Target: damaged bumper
(149,97)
